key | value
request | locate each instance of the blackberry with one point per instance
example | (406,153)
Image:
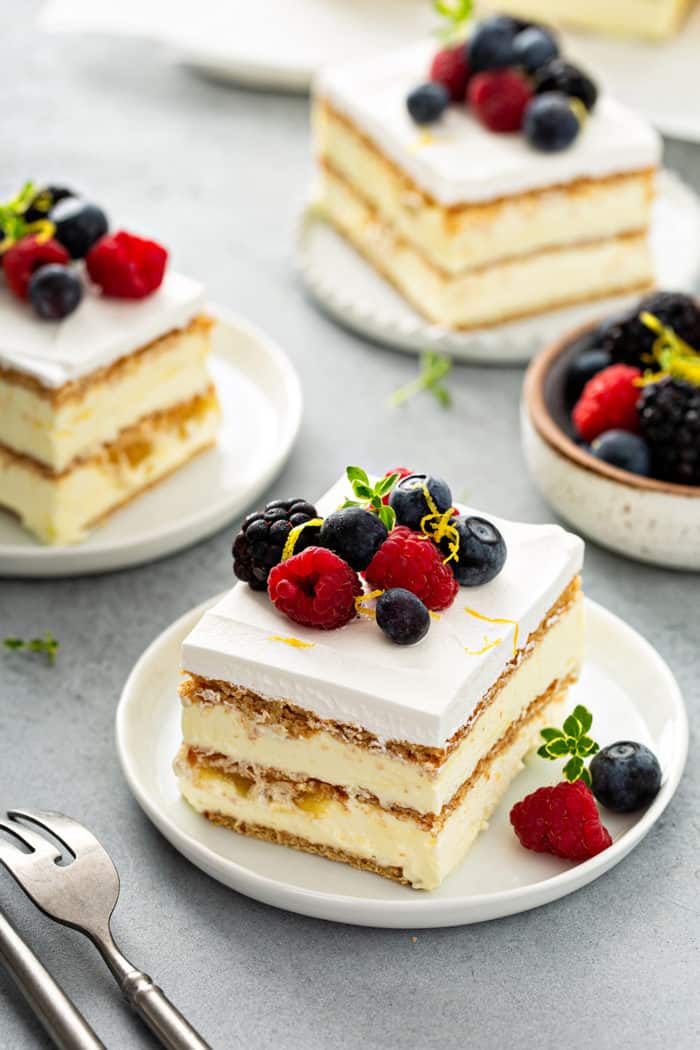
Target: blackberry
(629,341)
(259,545)
(559,75)
(669,417)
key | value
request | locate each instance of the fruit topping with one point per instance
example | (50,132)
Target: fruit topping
(264,535)
(630,341)
(491,44)
(562,820)
(78,224)
(402,616)
(427,103)
(408,499)
(608,402)
(562,76)
(125,266)
(410,561)
(582,369)
(533,47)
(571,740)
(43,201)
(399,472)
(54,291)
(669,415)
(451,69)
(22,259)
(355,534)
(481,553)
(621,449)
(372,497)
(625,776)
(315,588)
(552,121)
(499,99)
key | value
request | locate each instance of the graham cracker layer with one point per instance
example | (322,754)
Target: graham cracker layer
(76,388)
(297,722)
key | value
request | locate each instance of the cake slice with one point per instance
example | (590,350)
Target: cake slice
(390,758)
(654,19)
(472,227)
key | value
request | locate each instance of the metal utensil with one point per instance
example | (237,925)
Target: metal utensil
(82,894)
(60,1017)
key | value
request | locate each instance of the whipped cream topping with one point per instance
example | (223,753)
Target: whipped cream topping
(421,693)
(456,160)
(99,332)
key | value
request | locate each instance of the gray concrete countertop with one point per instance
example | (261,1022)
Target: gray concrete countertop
(219,174)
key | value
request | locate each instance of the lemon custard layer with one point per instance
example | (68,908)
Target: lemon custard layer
(387,757)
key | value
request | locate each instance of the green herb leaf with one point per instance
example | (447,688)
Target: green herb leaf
(370,496)
(385,485)
(47,645)
(571,740)
(387,515)
(357,474)
(456,14)
(573,769)
(572,727)
(350,503)
(551,734)
(434,367)
(586,746)
(583,717)
(557,748)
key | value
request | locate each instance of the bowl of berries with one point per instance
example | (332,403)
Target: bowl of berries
(611,430)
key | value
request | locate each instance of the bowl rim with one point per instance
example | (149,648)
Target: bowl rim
(554,436)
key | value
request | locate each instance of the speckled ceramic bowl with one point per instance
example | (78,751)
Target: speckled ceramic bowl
(642,518)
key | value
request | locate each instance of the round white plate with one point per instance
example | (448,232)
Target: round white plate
(353,293)
(626,685)
(261,403)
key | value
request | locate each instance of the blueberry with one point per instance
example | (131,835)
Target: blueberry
(402,616)
(624,450)
(427,103)
(482,551)
(550,122)
(408,499)
(583,367)
(533,48)
(559,75)
(491,44)
(625,776)
(79,225)
(353,533)
(54,291)
(44,200)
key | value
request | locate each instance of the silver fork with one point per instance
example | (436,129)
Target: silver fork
(83,894)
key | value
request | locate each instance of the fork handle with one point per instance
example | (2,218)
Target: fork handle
(165,1020)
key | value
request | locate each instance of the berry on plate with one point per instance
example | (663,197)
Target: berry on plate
(621,449)
(499,99)
(54,291)
(625,776)
(315,588)
(533,47)
(551,122)
(263,536)
(355,534)
(79,225)
(669,416)
(450,68)
(411,561)
(491,44)
(583,367)
(22,259)
(608,402)
(481,554)
(125,266)
(408,500)
(402,616)
(562,820)
(427,103)
(568,79)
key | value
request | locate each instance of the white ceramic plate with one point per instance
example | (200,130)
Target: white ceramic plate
(261,402)
(626,685)
(353,293)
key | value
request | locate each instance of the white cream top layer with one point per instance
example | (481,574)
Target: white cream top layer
(99,332)
(459,161)
(421,693)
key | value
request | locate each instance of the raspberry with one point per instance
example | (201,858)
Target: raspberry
(315,588)
(499,98)
(608,402)
(451,69)
(125,266)
(562,820)
(410,560)
(25,257)
(403,472)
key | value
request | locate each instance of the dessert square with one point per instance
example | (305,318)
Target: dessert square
(388,757)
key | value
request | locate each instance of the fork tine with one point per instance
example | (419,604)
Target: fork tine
(37,843)
(73,835)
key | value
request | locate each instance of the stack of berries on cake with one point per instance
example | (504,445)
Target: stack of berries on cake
(104,387)
(372,685)
(635,391)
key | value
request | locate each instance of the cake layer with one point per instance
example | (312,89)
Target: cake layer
(457,160)
(655,19)
(57,426)
(464,236)
(256,734)
(359,832)
(531,284)
(59,508)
